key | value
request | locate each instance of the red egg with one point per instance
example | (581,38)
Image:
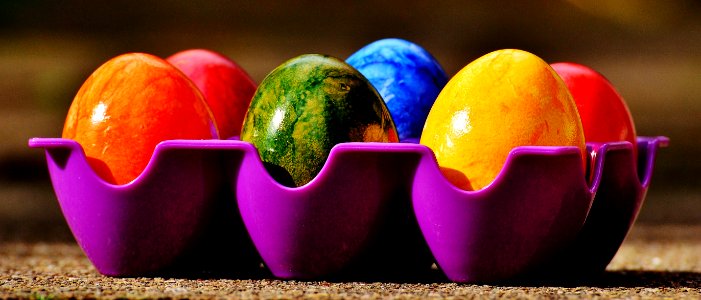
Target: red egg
(604,113)
(130,104)
(226,87)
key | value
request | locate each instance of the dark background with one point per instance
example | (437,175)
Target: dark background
(650,50)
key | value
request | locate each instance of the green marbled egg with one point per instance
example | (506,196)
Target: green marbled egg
(306,106)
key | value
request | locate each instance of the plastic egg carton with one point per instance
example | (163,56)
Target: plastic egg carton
(374,210)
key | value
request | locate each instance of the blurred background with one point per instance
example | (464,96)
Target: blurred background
(649,50)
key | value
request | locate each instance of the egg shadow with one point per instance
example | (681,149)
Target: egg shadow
(100,167)
(457,178)
(280,174)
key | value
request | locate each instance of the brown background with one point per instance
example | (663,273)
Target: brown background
(650,50)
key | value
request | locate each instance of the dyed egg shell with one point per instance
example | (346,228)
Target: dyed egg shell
(306,106)
(605,115)
(407,77)
(226,87)
(502,100)
(127,106)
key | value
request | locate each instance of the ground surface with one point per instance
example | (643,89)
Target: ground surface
(655,261)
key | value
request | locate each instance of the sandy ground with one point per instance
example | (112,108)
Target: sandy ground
(656,261)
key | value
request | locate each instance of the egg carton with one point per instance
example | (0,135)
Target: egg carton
(375,209)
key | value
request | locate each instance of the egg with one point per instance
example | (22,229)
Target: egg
(502,100)
(226,86)
(407,77)
(127,106)
(605,115)
(306,106)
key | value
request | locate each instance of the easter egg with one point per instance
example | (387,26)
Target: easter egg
(226,87)
(127,106)
(605,115)
(306,106)
(502,100)
(407,77)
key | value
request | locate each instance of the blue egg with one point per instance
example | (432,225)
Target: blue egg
(407,77)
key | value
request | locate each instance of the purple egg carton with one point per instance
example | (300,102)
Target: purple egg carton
(374,209)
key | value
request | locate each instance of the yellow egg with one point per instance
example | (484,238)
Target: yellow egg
(504,99)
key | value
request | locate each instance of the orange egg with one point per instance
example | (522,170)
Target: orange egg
(127,106)
(502,100)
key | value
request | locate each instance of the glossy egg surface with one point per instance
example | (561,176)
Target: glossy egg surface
(226,86)
(407,77)
(605,115)
(502,100)
(306,106)
(127,106)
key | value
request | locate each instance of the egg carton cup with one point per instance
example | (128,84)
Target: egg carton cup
(622,189)
(374,210)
